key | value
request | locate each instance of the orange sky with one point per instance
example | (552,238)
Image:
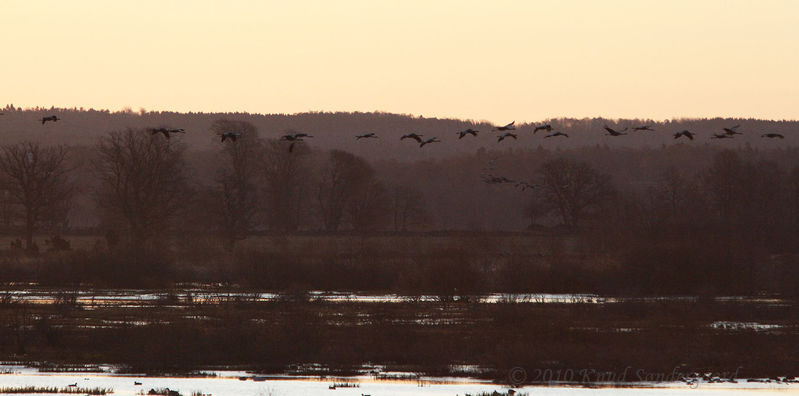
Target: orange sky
(486,60)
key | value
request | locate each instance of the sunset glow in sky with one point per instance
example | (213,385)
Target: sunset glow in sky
(485,60)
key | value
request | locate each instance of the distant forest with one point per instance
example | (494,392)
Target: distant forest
(450,180)
(337,130)
(586,213)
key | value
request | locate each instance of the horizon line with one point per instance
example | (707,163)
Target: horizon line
(143,111)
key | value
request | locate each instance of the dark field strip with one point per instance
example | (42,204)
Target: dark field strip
(658,336)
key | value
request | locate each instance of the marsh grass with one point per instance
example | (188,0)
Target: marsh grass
(441,264)
(54,390)
(164,392)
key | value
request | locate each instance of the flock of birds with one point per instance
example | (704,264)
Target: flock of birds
(294,137)
(508,134)
(505,132)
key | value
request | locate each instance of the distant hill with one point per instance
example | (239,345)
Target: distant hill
(337,130)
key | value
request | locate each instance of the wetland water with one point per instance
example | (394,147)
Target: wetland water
(92,299)
(230,383)
(134,297)
(183,329)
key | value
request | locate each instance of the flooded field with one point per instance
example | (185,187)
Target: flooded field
(90,298)
(207,295)
(181,300)
(163,332)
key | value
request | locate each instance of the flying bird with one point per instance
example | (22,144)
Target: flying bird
(556,134)
(721,136)
(490,179)
(613,132)
(230,135)
(772,135)
(366,136)
(524,185)
(643,128)
(509,127)
(166,131)
(732,131)
(413,136)
(297,136)
(294,138)
(50,118)
(428,141)
(505,135)
(465,132)
(158,130)
(545,127)
(690,135)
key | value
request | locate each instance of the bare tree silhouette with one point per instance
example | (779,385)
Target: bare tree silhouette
(793,198)
(407,206)
(572,188)
(7,209)
(36,179)
(236,192)
(142,181)
(344,179)
(369,209)
(284,172)
(745,194)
